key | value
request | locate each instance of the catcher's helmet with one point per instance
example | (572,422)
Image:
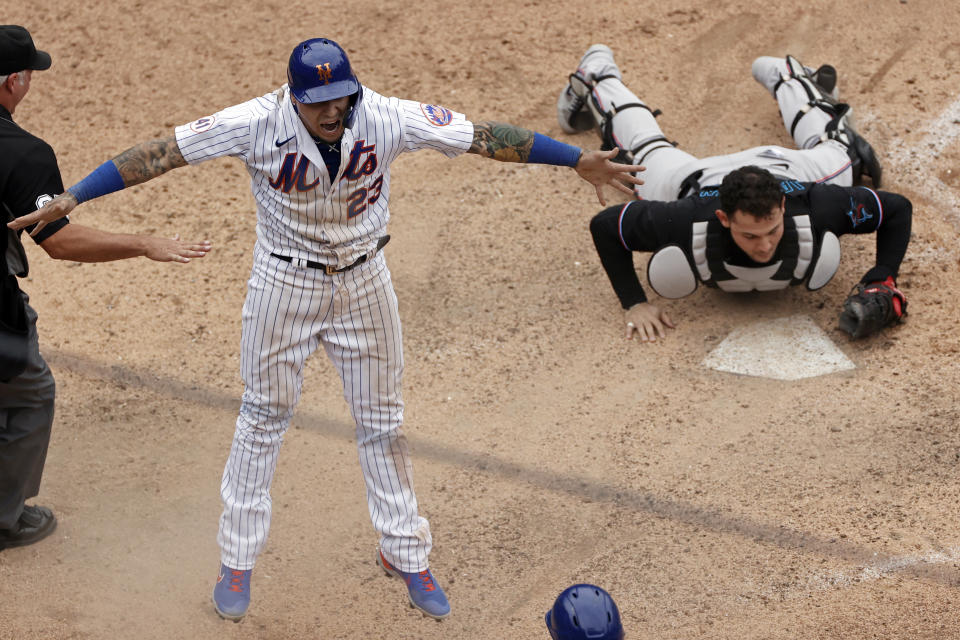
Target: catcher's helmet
(584,612)
(319,71)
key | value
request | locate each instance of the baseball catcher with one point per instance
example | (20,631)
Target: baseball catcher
(757,220)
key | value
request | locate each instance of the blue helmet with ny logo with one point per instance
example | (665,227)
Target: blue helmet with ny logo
(319,70)
(584,612)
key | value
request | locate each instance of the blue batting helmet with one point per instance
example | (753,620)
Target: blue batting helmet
(584,612)
(319,71)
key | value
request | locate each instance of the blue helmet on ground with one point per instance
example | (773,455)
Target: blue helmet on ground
(319,70)
(584,612)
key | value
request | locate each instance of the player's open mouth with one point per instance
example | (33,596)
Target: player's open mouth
(330,127)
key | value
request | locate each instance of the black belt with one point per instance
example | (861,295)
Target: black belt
(329,269)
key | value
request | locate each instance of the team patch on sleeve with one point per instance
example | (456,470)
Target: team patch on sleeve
(203,124)
(437,115)
(860,213)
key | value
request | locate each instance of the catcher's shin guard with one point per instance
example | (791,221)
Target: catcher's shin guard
(862,156)
(579,109)
(595,65)
(820,87)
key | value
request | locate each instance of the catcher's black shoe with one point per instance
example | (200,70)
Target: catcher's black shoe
(572,114)
(35,524)
(863,158)
(825,77)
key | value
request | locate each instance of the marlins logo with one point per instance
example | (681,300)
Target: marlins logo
(202,124)
(858,213)
(323,70)
(437,115)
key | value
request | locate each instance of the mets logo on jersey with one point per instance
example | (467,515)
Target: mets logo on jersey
(858,213)
(202,124)
(323,70)
(437,115)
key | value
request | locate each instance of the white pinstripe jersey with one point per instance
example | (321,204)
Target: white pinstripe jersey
(299,213)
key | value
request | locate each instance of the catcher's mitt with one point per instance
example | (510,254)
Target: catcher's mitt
(872,307)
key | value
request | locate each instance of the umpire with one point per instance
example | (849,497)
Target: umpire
(28,171)
(29,177)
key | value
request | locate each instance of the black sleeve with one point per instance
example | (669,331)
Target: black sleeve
(34,179)
(864,210)
(639,225)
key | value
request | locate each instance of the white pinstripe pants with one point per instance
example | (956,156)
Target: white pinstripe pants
(288,312)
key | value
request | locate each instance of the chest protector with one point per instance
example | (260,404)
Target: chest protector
(674,273)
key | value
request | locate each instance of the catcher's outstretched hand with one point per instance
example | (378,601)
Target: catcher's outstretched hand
(52,210)
(872,307)
(597,168)
(647,321)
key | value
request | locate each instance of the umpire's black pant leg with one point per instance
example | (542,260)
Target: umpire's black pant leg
(26,419)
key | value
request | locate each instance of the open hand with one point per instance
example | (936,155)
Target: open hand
(174,249)
(597,168)
(648,321)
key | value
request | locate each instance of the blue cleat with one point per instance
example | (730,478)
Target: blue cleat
(424,592)
(231,596)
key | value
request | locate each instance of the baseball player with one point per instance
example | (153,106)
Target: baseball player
(319,150)
(760,219)
(584,612)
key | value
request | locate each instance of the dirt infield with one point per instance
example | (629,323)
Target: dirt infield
(547,449)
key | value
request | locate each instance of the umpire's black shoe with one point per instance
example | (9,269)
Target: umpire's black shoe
(35,524)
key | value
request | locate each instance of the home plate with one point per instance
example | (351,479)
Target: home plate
(783,349)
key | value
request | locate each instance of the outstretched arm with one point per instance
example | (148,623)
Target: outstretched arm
(508,143)
(85,244)
(148,160)
(135,165)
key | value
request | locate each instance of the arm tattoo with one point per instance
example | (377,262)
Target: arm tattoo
(501,141)
(148,160)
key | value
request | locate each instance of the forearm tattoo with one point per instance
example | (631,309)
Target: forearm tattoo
(149,160)
(501,141)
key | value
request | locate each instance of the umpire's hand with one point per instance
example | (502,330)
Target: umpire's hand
(596,168)
(174,249)
(55,209)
